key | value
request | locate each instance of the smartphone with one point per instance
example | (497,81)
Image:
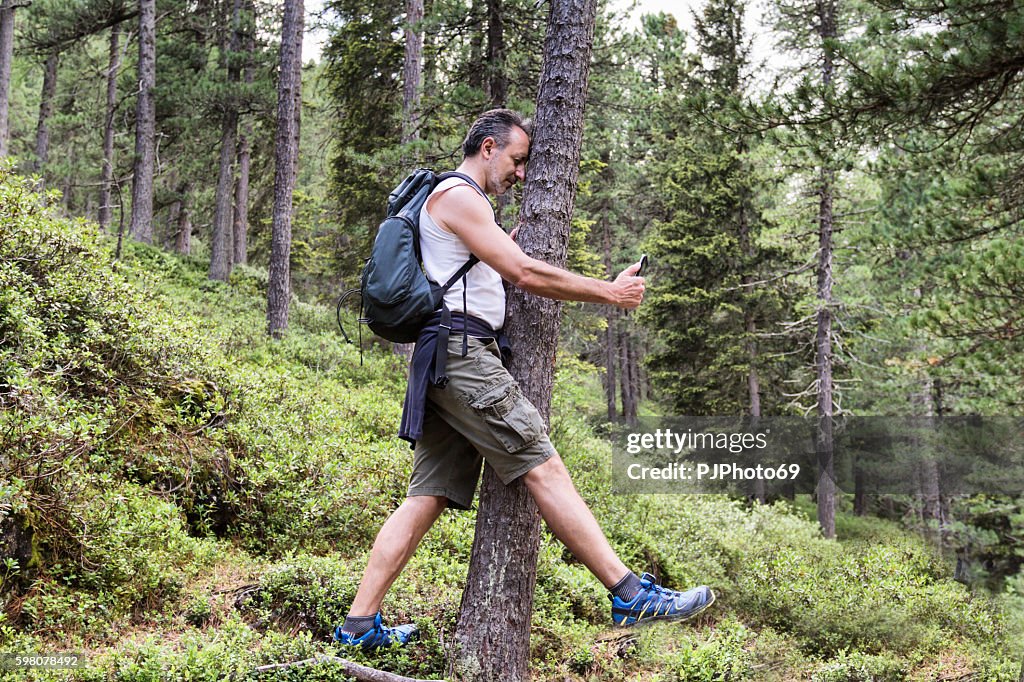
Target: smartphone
(643,265)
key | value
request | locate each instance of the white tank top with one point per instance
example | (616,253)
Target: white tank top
(444,253)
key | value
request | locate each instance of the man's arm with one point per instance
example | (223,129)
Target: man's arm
(468,215)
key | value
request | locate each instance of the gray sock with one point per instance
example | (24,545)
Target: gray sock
(358,625)
(627,588)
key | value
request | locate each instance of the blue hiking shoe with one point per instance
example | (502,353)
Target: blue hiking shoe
(378,635)
(655,602)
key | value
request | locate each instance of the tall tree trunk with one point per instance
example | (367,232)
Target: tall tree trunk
(626,378)
(634,375)
(823,360)
(141,227)
(492,634)
(412,70)
(221,248)
(749,322)
(497,83)
(7,8)
(183,238)
(286,152)
(240,239)
(826,489)
(611,320)
(107,172)
(46,110)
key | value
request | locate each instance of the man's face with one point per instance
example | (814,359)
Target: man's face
(508,165)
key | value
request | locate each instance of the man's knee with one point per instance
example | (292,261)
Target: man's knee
(426,505)
(549,473)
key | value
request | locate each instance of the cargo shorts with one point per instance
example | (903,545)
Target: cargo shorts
(480,415)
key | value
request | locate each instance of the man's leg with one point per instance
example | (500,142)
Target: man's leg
(571,520)
(567,515)
(396,541)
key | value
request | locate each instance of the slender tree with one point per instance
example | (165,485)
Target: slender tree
(141,227)
(240,238)
(286,151)
(7,8)
(221,248)
(107,170)
(503,570)
(46,98)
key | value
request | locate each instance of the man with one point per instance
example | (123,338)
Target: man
(478,412)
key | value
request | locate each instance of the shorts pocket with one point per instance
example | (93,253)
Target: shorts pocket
(510,417)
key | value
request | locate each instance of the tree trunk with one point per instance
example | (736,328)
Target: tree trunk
(46,110)
(634,374)
(107,172)
(611,319)
(826,489)
(492,634)
(497,83)
(141,227)
(749,322)
(286,152)
(221,248)
(412,71)
(240,239)
(823,361)
(6,58)
(183,240)
(626,378)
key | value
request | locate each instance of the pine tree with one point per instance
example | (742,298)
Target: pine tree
(286,149)
(503,562)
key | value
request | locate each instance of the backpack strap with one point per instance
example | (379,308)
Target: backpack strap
(440,378)
(462,176)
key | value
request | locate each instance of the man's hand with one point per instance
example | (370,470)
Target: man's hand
(628,288)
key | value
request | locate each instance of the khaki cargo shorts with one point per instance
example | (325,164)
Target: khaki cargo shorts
(481,415)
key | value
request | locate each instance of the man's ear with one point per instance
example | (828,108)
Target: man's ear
(488,146)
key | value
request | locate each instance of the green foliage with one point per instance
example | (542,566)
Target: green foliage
(285,449)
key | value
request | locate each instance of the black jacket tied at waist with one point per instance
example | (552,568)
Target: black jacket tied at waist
(429,360)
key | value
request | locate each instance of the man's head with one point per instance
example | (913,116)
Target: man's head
(500,142)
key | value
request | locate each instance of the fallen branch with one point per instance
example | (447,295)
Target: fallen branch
(360,672)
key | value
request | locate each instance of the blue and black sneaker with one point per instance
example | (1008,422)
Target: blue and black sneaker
(378,635)
(654,602)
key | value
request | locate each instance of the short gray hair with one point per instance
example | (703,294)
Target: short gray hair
(496,123)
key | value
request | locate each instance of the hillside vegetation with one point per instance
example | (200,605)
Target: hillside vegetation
(184,499)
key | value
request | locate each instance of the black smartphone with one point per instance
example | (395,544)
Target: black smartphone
(643,265)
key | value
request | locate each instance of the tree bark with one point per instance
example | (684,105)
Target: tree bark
(611,319)
(626,379)
(497,83)
(107,172)
(240,239)
(183,238)
(286,152)
(141,226)
(7,8)
(46,110)
(492,634)
(826,489)
(412,70)
(221,247)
